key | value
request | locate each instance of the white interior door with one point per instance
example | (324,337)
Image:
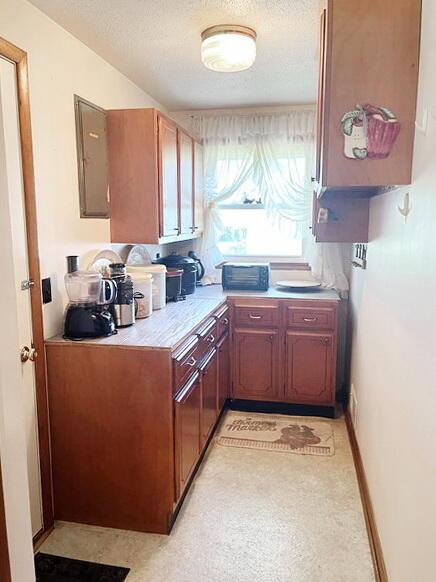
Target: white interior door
(11,137)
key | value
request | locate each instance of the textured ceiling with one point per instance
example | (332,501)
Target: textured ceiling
(157,45)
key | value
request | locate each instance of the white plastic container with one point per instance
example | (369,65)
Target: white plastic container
(142,286)
(158,273)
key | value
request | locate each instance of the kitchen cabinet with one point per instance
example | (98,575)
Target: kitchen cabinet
(168,178)
(151,163)
(198,187)
(256,364)
(208,379)
(186,183)
(187,405)
(347,217)
(309,367)
(224,379)
(369,54)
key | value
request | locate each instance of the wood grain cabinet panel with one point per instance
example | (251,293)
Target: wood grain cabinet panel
(186,183)
(224,378)
(187,405)
(363,62)
(256,364)
(198,188)
(259,314)
(208,378)
(168,178)
(310,368)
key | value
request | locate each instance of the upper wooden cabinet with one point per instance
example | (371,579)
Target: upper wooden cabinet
(369,53)
(152,163)
(186,182)
(198,188)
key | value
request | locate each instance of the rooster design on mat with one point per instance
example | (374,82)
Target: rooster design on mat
(369,132)
(298,436)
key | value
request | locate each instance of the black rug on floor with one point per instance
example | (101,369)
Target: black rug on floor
(57,569)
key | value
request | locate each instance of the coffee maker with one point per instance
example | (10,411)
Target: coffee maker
(123,307)
(87,315)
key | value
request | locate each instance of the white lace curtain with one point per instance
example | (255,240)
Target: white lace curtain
(264,152)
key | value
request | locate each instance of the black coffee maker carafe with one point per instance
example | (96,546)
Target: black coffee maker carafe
(123,308)
(87,314)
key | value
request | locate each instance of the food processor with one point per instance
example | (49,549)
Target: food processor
(87,314)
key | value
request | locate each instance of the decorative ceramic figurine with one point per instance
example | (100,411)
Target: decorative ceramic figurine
(370,132)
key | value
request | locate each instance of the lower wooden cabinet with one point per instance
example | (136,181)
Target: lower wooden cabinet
(309,370)
(256,364)
(224,379)
(208,380)
(187,407)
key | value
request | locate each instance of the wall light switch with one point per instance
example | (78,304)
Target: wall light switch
(46,290)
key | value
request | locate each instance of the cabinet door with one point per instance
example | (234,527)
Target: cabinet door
(168,180)
(186,183)
(223,371)
(209,385)
(310,367)
(187,431)
(256,364)
(198,188)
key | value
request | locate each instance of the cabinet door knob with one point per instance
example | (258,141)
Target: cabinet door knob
(210,338)
(326,340)
(225,321)
(191,362)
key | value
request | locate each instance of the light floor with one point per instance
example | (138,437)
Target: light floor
(251,515)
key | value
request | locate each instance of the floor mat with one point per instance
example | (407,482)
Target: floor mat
(58,569)
(276,432)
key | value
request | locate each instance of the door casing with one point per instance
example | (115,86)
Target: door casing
(19,57)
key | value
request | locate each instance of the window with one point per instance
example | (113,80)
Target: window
(248,230)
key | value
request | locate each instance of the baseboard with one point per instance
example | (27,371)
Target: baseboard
(368,511)
(40,538)
(281,408)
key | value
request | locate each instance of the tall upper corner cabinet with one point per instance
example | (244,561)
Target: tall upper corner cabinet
(155,178)
(369,55)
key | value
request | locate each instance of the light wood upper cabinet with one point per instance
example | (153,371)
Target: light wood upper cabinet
(369,54)
(168,178)
(151,178)
(186,182)
(198,188)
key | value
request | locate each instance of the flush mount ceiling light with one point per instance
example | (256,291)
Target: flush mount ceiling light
(228,48)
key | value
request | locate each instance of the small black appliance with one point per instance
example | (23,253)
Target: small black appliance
(246,276)
(87,315)
(123,307)
(188,265)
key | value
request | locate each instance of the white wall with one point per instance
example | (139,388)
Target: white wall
(394,353)
(59,67)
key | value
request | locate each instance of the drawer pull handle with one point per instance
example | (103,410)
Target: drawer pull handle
(191,362)
(310,319)
(210,338)
(251,316)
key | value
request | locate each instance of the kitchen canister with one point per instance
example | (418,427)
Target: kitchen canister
(158,273)
(142,288)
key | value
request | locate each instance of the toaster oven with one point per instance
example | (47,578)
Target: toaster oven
(246,276)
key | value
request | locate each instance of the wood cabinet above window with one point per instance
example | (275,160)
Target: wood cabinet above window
(369,54)
(152,185)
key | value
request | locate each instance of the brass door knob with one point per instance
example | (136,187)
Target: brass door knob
(28,354)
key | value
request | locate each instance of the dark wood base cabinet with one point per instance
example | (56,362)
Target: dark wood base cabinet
(285,351)
(129,425)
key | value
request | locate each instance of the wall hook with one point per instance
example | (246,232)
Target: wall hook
(407,207)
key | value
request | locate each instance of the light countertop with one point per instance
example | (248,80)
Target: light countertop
(167,328)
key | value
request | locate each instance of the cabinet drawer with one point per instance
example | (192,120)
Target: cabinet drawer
(208,336)
(223,320)
(185,361)
(311,317)
(257,315)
